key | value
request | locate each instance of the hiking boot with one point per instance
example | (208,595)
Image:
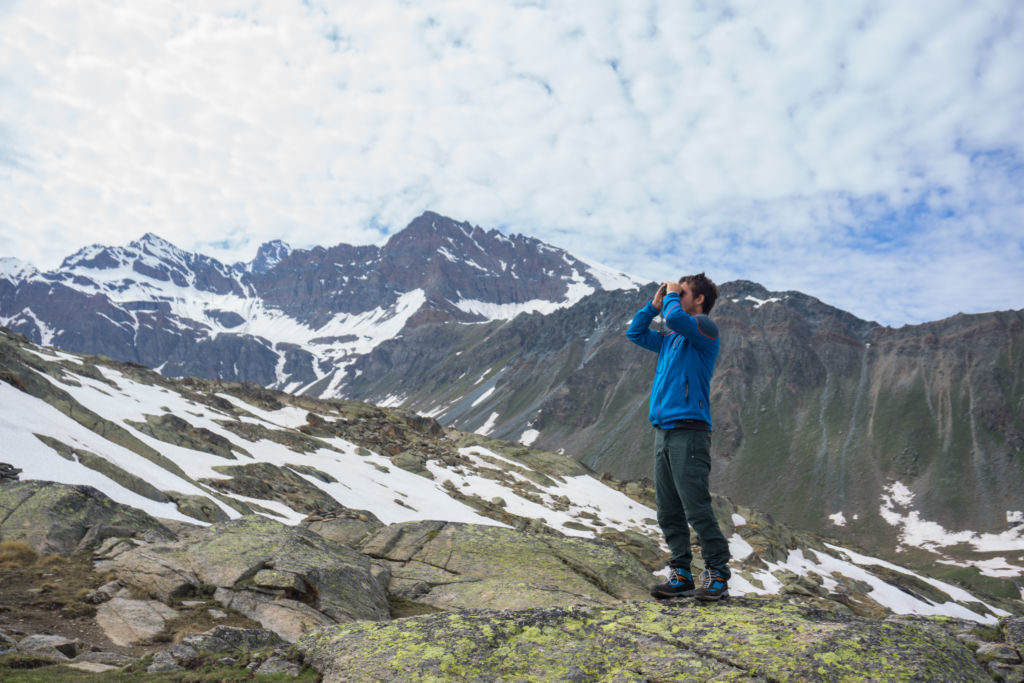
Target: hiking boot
(679,585)
(713,586)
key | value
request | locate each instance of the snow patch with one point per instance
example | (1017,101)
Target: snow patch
(920,533)
(528,437)
(839,519)
(483,397)
(488,426)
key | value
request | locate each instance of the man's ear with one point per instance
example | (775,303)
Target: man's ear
(699,300)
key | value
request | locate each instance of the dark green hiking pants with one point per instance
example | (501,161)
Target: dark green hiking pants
(682,465)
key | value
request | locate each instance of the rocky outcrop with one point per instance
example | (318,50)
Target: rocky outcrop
(467,566)
(479,603)
(740,639)
(287,578)
(58,518)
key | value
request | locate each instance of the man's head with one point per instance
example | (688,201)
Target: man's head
(700,285)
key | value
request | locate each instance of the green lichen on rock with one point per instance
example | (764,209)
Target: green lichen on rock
(458,566)
(739,640)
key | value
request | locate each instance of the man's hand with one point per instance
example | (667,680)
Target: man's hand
(659,296)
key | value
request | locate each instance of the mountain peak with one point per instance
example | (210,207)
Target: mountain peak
(15,269)
(431,228)
(157,246)
(269,255)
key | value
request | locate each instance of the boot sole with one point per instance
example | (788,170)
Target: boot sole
(724,595)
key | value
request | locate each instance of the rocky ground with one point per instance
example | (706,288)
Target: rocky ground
(358,600)
(49,629)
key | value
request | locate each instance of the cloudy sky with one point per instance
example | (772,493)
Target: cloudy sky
(870,154)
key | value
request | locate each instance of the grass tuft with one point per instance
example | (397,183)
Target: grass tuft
(15,554)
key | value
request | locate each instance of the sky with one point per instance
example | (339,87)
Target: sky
(870,154)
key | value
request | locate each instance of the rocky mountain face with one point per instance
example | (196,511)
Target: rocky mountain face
(203,524)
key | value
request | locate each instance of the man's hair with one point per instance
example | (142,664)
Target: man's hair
(702,284)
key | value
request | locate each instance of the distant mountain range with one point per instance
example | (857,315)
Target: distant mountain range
(290,319)
(909,441)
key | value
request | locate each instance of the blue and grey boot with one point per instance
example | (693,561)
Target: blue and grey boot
(679,585)
(713,586)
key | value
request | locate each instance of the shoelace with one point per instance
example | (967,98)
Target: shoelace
(710,577)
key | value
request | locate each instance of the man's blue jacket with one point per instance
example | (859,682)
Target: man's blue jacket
(686,361)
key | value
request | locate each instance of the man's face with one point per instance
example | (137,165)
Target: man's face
(686,299)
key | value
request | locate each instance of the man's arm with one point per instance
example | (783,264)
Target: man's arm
(700,330)
(640,332)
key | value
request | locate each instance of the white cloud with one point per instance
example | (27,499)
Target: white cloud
(805,146)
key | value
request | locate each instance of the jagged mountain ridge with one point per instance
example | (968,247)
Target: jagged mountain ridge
(200,451)
(291,319)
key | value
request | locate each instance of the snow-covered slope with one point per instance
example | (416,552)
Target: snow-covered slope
(58,408)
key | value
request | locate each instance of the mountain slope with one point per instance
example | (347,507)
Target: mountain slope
(818,416)
(200,451)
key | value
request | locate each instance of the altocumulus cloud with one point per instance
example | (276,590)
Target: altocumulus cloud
(869,154)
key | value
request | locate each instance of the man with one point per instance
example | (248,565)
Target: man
(680,412)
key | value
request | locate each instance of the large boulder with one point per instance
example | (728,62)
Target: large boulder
(127,621)
(287,578)
(742,639)
(60,518)
(467,566)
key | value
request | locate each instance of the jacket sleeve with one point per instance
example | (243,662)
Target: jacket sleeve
(700,330)
(640,332)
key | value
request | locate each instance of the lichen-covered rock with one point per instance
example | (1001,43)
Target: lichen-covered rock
(287,578)
(1013,629)
(467,566)
(59,518)
(231,638)
(997,652)
(343,525)
(48,645)
(288,618)
(266,481)
(741,639)
(175,658)
(198,507)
